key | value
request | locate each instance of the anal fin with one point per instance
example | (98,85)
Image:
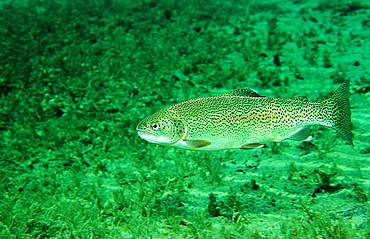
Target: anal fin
(302,134)
(252,146)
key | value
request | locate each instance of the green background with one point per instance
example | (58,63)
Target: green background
(76,77)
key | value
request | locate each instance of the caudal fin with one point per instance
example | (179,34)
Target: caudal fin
(339,111)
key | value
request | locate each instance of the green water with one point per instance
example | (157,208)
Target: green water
(77,76)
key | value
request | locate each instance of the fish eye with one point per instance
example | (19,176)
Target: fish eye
(155,126)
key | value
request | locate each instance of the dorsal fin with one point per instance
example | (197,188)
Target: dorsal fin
(244,92)
(301,98)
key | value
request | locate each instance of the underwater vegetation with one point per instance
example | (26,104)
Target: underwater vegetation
(76,77)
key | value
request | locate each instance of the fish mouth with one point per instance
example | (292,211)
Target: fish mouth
(152,137)
(145,132)
(148,135)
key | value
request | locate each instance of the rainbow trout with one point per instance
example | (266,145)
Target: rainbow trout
(244,119)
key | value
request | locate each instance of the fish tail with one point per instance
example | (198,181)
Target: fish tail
(338,110)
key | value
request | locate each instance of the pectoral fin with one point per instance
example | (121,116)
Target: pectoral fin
(194,144)
(252,146)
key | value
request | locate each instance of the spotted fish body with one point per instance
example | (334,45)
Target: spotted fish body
(243,119)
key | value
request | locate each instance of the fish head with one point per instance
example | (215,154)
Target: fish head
(161,128)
